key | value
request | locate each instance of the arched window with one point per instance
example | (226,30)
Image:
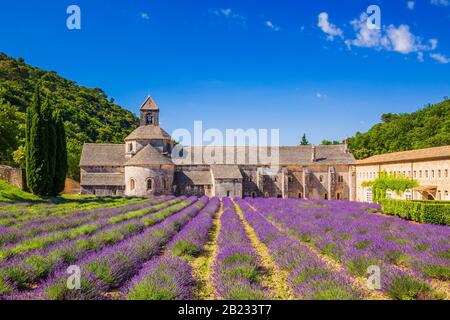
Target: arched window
(321,178)
(325,196)
(132,184)
(149,184)
(149,119)
(338,196)
(130,147)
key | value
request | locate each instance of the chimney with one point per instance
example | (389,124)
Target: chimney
(346,146)
(313,153)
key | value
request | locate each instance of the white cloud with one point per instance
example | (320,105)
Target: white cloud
(440,58)
(391,38)
(420,56)
(366,37)
(401,39)
(270,25)
(328,27)
(144,15)
(228,13)
(411,5)
(444,3)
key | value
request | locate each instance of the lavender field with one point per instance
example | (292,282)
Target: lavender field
(168,248)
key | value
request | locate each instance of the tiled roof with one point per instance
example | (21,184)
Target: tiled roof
(189,177)
(149,104)
(412,155)
(98,154)
(149,132)
(226,172)
(148,156)
(103,179)
(290,155)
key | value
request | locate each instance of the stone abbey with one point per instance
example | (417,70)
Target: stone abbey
(144,166)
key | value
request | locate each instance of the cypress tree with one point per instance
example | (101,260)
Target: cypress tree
(29,117)
(36,163)
(50,126)
(304,141)
(61,155)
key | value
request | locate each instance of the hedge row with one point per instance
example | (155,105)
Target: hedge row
(419,211)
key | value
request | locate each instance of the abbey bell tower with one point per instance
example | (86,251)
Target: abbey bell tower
(149,113)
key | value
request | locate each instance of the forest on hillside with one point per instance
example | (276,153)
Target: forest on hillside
(88,114)
(427,127)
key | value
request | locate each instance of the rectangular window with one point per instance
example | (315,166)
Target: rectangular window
(408,195)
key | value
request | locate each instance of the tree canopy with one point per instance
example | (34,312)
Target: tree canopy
(304,141)
(88,114)
(428,127)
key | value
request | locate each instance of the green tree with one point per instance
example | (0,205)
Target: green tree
(19,156)
(304,141)
(330,143)
(60,156)
(49,130)
(10,130)
(37,135)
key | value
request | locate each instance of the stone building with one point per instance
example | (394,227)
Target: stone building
(430,167)
(145,165)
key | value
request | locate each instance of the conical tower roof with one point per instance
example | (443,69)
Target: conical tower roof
(149,105)
(148,156)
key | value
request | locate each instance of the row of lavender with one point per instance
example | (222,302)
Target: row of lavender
(45,239)
(170,276)
(24,270)
(14,215)
(237,270)
(32,228)
(310,277)
(105,271)
(407,253)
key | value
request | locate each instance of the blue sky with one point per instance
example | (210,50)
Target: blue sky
(300,66)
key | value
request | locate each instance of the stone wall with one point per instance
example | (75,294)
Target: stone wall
(227,187)
(13,176)
(161,180)
(103,190)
